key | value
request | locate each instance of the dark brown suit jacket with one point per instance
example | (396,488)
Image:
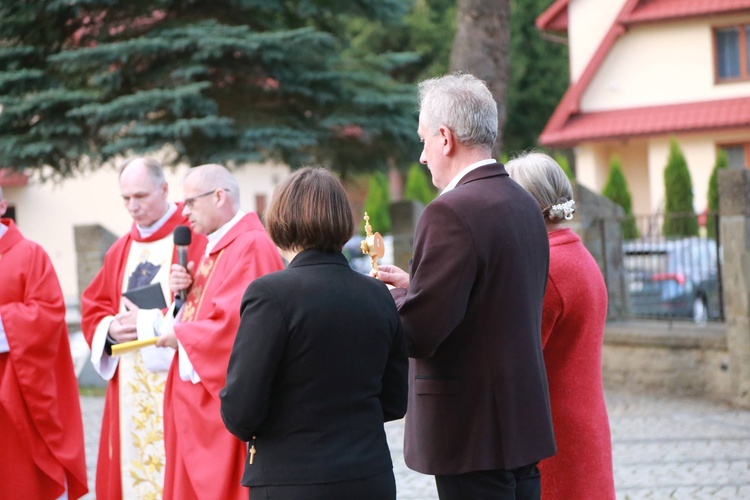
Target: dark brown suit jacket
(478,397)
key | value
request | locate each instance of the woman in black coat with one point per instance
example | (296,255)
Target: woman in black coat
(319,362)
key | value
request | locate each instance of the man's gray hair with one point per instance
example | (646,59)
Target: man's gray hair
(215,176)
(153,166)
(464,104)
(1,193)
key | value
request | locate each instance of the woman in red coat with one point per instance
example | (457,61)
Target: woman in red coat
(574,314)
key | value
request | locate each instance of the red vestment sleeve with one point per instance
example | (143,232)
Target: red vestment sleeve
(208,340)
(40,382)
(203,459)
(101,298)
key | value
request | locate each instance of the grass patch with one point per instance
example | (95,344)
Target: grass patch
(92,391)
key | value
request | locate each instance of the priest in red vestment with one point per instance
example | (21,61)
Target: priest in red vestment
(205,461)
(131,448)
(42,454)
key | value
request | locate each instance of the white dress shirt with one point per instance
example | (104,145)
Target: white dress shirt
(462,173)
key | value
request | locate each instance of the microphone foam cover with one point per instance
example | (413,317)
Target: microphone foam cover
(182,235)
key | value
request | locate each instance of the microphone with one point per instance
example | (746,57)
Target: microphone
(181,241)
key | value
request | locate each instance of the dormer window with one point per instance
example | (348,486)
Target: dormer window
(732,53)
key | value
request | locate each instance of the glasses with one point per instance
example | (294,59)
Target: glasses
(190,201)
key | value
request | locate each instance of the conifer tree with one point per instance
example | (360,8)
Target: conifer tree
(562,160)
(538,76)
(217,80)
(616,189)
(418,185)
(722,161)
(377,204)
(679,214)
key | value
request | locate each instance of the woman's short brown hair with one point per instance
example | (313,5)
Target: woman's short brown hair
(310,210)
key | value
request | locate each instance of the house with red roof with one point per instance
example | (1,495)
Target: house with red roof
(644,71)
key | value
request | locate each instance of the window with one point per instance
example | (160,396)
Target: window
(737,154)
(732,46)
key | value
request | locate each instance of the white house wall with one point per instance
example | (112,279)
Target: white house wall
(665,63)
(592,169)
(588,23)
(47,212)
(644,161)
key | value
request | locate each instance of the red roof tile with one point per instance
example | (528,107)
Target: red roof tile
(661,10)
(652,120)
(555,18)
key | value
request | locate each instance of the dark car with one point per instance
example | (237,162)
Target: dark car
(674,279)
(671,295)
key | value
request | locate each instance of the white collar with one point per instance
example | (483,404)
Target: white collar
(462,173)
(146,231)
(216,236)
(3,229)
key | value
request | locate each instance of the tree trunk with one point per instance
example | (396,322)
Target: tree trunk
(482,47)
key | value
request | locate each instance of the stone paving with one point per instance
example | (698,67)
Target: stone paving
(664,446)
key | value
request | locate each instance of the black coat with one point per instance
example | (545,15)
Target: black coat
(319,363)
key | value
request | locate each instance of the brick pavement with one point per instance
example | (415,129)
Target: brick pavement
(664,446)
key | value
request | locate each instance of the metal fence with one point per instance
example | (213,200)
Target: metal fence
(672,267)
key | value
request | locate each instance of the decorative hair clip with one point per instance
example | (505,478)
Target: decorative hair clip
(567,208)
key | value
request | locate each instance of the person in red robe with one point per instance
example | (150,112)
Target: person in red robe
(42,453)
(573,319)
(205,461)
(104,322)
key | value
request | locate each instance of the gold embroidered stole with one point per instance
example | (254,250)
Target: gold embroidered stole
(200,283)
(142,455)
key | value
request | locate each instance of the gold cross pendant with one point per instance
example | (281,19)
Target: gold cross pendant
(252,451)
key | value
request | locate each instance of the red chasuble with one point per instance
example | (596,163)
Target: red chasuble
(101,299)
(41,430)
(205,461)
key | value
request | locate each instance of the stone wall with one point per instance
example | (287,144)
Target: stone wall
(734,231)
(597,222)
(679,357)
(712,360)
(92,242)
(404,217)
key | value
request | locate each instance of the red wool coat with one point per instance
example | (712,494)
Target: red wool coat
(575,310)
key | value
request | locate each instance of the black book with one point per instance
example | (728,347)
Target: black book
(147,297)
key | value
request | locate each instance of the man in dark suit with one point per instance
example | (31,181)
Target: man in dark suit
(478,414)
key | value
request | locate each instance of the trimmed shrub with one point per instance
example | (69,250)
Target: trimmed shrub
(616,189)
(679,214)
(562,160)
(377,204)
(722,161)
(418,185)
